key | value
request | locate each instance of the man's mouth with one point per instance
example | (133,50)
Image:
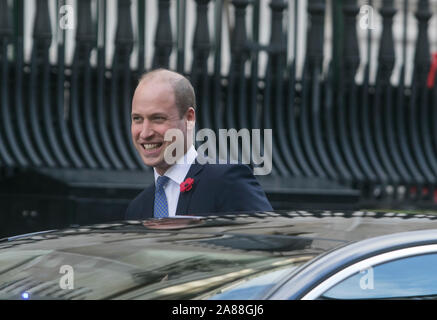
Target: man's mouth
(151,146)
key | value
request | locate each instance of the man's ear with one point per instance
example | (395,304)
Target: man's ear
(190,117)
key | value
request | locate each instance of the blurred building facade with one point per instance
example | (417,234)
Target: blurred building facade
(346,87)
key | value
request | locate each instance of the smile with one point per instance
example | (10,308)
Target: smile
(151,146)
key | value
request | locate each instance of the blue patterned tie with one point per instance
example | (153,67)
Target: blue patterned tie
(160,209)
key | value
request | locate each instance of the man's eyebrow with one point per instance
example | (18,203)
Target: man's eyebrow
(157,114)
(153,115)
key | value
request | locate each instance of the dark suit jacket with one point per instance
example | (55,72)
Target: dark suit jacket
(217,189)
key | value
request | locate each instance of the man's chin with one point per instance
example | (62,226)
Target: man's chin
(158,164)
(157,160)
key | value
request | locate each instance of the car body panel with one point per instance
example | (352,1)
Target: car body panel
(400,273)
(185,258)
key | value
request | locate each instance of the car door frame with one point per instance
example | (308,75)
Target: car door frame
(312,274)
(372,262)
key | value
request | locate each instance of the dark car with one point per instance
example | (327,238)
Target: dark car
(265,255)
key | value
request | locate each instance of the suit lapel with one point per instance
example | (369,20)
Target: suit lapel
(185,197)
(149,201)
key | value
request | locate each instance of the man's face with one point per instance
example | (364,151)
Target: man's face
(154,112)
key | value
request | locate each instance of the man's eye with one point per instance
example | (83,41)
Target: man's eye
(136,118)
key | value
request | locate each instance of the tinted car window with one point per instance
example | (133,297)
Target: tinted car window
(411,277)
(253,289)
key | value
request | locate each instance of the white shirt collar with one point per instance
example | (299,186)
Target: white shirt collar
(179,170)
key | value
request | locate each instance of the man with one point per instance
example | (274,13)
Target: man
(165,100)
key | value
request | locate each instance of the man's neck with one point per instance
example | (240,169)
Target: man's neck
(188,158)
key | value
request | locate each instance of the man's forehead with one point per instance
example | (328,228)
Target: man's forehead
(153,97)
(162,75)
(155,83)
(156,90)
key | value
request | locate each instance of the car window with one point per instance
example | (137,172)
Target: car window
(253,289)
(410,277)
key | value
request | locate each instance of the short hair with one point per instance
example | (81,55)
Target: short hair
(184,94)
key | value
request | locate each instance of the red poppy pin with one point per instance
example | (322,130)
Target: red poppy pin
(187,184)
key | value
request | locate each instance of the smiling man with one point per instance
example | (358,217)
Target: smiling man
(163,101)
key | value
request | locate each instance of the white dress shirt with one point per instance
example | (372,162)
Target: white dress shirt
(177,174)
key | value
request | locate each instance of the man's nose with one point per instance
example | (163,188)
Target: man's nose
(146,131)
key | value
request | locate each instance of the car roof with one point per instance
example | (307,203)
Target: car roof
(278,229)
